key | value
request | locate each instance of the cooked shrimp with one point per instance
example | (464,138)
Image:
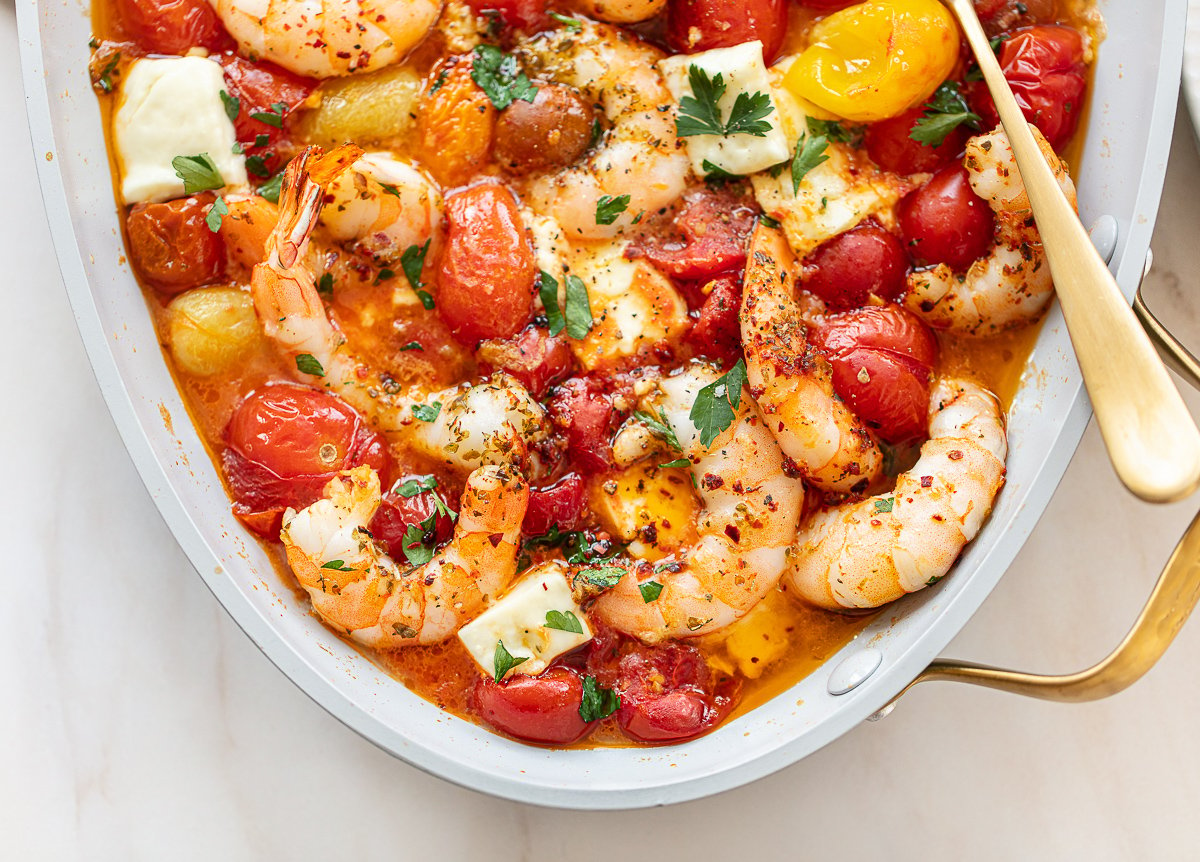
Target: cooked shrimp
(640,156)
(865,554)
(621,11)
(328,38)
(748,520)
(383,205)
(359,590)
(495,421)
(792,382)
(1012,285)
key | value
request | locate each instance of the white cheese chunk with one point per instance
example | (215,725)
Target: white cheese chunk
(172,107)
(518,620)
(742,69)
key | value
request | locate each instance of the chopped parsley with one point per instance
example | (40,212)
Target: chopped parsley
(885,505)
(715,173)
(601,576)
(658,426)
(609,208)
(713,410)
(768,221)
(427,412)
(810,152)
(273,116)
(216,212)
(412,261)
(650,591)
(700,113)
(199,173)
(497,75)
(576,315)
(384,274)
(105,81)
(417,544)
(389,189)
(598,702)
(563,621)
(257,165)
(306,363)
(325,284)
(944,112)
(412,345)
(505,661)
(678,462)
(337,566)
(233,105)
(412,487)
(832,130)
(572,24)
(271,188)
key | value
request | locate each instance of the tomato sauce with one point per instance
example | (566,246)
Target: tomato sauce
(781,642)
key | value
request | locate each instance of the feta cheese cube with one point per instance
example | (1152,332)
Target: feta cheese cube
(518,620)
(743,71)
(172,107)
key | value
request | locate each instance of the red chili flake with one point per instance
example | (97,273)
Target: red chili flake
(926,481)
(711,482)
(733,532)
(496,539)
(955,455)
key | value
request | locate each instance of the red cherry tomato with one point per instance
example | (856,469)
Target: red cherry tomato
(397,513)
(487,280)
(882,359)
(890,146)
(700,25)
(528,15)
(582,409)
(261,88)
(285,442)
(668,694)
(173,26)
(542,708)
(536,358)
(717,333)
(1044,67)
(944,221)
(708,237)
(170,244)
(558,505)
(847,270)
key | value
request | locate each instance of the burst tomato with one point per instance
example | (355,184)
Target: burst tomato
(171,246)
(717,333)
(668,694)
(708,236)
(542,708)
(529,15)
(173,26)
(487,274)
(944,221)
(265,90)
(847,270)
(882,359)
(582,410)
(397,513)
(890,145)
(700,25)
(536,358)
(558,505)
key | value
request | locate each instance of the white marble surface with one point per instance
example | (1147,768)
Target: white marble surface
(138,723)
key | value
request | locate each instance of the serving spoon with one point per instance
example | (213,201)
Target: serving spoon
(1151,438)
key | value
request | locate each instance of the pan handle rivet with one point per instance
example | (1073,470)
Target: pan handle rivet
(1104,232)
(853,670)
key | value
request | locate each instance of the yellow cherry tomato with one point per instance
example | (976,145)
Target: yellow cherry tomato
(874,60)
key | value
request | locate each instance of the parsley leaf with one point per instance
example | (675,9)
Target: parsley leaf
(497,75)
(601,576)
(427,412)
(384,274)
(944,113)
(412,261)
(412,487)
(715,173)
(199,173)
(215,213)
(658,426)
(715,404)
(337,566)
(306,363)
(650,591)
(504,662)
(233,105)
(273,116)
(257,166)
(563,621)
(609,209)
(884,505)
(700,113)
(831,130)
(412,345)
(810,152)
(768,221)
(597,702)
(105,82)
(548,291)
(416,551)
(389,189)
(678,462)
(271,188)
(572,24)
(325,284)
(578,309)
(261,140)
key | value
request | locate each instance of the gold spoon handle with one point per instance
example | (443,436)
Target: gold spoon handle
(1151,438)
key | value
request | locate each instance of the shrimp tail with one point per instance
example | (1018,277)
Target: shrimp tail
(301,196)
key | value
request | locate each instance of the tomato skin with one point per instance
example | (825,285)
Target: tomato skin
(882,359)
(668,694)
(258,87)
(528,15)
(889,145)
(944,221)
(558,505)
(718,333)
(173,26)
(586,414)
(285,442)
(542,708)
(700,25)
(397,513)
(170,244)
(708,237)
(537,359)
(1044,67)
(847,270)
(487,274)
(828,5)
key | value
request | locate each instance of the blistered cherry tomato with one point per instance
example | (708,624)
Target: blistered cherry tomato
(397,513)
(170,244)
(487,275)
(847,270)
(890,145)
(261,88)
(875,59)
(542,708)
(173,26)
(717,333)
(944,221)
(668,694)
(582,409)
(700,25)
(285,442)
(552,131)
(999,15)
(708,237)
(882,359)
(529,15)
(1044,67)
(558,505)
(536,358)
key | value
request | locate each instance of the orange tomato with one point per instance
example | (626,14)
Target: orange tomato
(456,122)
(874,60)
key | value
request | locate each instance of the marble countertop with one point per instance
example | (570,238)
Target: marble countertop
(137,722)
